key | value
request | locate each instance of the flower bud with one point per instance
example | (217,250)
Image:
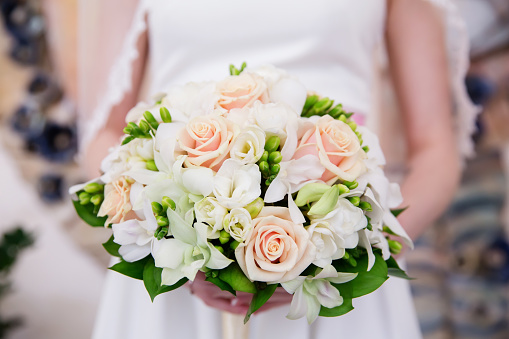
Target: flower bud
(167,202)
(366,206)
(151,165)
(149,117)
(265,157)
(272,144)
(97,199)
(343,189)
(366,149)
(162,221)
(135,130)
(93,187)
(255,207)
(162,232)
(275,157)
(234,244)
(351,184)
(342,117)
(128,130)
(224,237)
(157,208)
(274,169)
(144,126)
(219,248)
(264,168)
(326,203)
(355,201)
(84,198)
(311,100)
(352,125)
(165,114)
(128,140)
(310,193)
(394,246)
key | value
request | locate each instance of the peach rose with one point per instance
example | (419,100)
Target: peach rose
(207,141)
(241,91)
(278,249)
(336,146)
(117,205)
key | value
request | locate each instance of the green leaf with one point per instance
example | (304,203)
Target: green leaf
(345,290)
(234,277)
(112,247)
(259,299)
(398,211)
(221,284)
(394,270)
(366,281)
(86,212)
(131,269)
(151,276)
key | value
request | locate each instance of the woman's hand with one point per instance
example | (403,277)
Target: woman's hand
(225,301)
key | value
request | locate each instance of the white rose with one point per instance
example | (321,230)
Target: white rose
(191,100)
(345,220)
(236,185)
(133,155)
(248,147)
(273,118)
(329,245)
(239,224)
(209,212)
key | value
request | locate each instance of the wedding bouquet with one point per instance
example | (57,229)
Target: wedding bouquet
(255,182)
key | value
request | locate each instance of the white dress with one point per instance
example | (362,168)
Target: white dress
(330,45)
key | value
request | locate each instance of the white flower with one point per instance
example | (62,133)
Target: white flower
(329,245)
(236,185)
(345,220)
(132,156)
(239,224)
(274,119)
(310,293)
(282,88)
(248,146)
(136,236)
(209,211)
(186,253)
(165,142)
(191,100)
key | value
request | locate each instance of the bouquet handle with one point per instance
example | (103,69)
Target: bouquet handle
(233,326)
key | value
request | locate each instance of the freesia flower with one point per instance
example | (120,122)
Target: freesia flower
(239,224)
(209,211)
(310,293)
(248,146)
(136,236)
(186,253)
(236,185)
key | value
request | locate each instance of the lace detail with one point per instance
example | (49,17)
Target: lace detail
(458,46)
(119,80)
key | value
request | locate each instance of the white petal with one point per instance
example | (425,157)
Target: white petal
(170,253)
(217,260)
(295,212)
(292,285)
(364,242)
(133,252)
(180,229)
(151,222)
(343,278)
(328,295)
(276,190)
(393,223)
(313,308)
(290,92)
(171,276)
(198,181)
(299,306)
(327,272)
(127,232)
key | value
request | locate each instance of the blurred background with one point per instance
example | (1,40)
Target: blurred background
(52,265)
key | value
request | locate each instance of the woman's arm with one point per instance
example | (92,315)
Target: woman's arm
(109,136)
(416,47)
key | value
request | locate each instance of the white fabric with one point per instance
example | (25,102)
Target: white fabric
(330,45)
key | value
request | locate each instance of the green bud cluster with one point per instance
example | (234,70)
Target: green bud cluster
(92,194)
(269,162)
(159,210)
(315,105)
(235,71)
(146,127)
(351,184)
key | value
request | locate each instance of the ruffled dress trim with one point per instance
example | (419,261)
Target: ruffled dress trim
(119,81)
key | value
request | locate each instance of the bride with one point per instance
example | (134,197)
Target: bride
(331,46)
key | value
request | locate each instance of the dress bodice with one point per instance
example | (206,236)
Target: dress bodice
(328,44)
